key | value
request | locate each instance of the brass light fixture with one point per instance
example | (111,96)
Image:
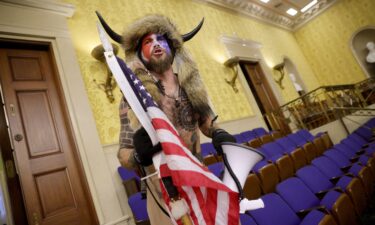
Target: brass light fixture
(110,84)
(232,63)
(280,67)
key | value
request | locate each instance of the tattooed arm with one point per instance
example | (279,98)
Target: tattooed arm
(126,151)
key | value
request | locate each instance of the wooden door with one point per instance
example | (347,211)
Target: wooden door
(53,186)
(12,178)
(263,95)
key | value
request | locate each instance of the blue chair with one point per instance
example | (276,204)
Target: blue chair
(209,153)
(297,139)
(362,172)
(239,139)
(217,169)
(320,184)
(302,200)
(246,219)
(352,185)
(248,135)
(277,211)
(297,154)
(260,131)
(130,180)
(282,160)
(207,149)
(138,206)
(365,132)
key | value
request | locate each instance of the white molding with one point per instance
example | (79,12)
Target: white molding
(63,9)
(312,13)
(249,50)
(263,14)
(241,49)
(361,64)
(236,40)
(122,219)
(254,11)
(20,22)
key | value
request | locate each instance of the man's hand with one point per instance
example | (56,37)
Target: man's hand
(219,136)
(144,150)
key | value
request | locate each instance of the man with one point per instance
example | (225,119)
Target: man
(151,45)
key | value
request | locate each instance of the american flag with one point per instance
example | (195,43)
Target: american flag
(209,200)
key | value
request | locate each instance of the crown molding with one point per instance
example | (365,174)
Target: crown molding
(265,15)
(51,6)
(313,12)
(225,39)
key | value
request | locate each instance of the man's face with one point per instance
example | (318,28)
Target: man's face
(156,54)
(154,46)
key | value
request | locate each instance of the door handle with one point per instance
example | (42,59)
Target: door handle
(18,137)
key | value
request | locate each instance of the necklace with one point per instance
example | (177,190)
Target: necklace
(176,96)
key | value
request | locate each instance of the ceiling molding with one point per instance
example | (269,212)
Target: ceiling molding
(316,10)
(264,14)
(51,6)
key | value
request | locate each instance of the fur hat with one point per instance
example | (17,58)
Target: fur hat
(187,70)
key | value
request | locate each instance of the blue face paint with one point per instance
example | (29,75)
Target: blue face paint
(154,45)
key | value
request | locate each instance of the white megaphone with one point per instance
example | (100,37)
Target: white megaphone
(241,160)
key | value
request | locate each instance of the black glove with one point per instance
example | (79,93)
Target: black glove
(144,150)
(219,136)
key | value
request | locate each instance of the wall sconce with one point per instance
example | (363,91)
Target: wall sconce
(110,84)
(232,63)
(280,67)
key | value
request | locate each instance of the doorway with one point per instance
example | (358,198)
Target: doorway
(263,95)
(11,175)
(53,188)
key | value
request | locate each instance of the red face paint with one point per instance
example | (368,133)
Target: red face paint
(154,45)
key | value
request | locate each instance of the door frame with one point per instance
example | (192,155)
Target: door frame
(48,23)
(250,51)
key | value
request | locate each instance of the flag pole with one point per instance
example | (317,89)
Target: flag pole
(176,202)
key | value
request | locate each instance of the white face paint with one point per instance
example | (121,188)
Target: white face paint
(154,45)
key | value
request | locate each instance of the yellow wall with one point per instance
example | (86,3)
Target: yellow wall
(325,41)
(205,48)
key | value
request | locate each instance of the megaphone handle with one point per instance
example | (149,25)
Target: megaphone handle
(238,184)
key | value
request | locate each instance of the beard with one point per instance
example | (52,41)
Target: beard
(159,65)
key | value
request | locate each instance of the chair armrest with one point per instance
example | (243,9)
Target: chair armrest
(302,213)
(322,193)
(354,159)
(345,169)
(349,175)
(361,151)
(334,179)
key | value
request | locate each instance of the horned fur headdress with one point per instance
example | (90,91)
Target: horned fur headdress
(187,71)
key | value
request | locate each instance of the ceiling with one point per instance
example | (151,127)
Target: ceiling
(274,11)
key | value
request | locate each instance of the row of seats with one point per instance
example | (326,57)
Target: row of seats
(259,136)
(136,199)
(253,138)
(304,179)
(300,164)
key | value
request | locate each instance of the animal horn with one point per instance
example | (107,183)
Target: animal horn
(115,36)
(191,34)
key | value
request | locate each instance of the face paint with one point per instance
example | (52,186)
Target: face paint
(154,44)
